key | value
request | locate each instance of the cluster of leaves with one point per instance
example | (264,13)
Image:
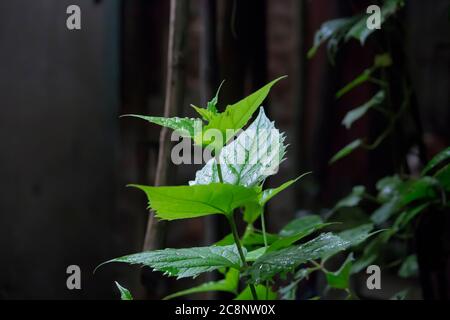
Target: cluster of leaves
(398,203)
(400,199)
(338,31)
(251,263)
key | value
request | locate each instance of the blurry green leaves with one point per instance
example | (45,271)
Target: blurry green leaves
(342,30)
(380,61)
(358,112)
(181,202)
(332,31)
(353,199)
(124,293)
(359,30)
(347,150)
(437,160)
(188,262)
(409,267)
(253,156)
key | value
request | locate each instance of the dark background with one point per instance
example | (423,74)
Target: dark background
(66,156)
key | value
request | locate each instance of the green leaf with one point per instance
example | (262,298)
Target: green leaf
(262,292)
(225,241)
(287,241)
(187,262)
(353,199)
(383,60)
(256,238)
(332,30)
(371,251)
(385,211)
(289,292)
(419,189)
(437,159)
(212,105)
(255,254)
(340,279)
(357,235)
(443,176)
(206,114)
(300,225)
(362,78)
(346,150)
(357,113)
(252,157)
(406,216)
(270,193)
(360,32)
(388,187)
(402,295)
(237,115)
(186,127)
(409,267)
(253,211)
(229,284)
(181,202)
(285,260)
(124,293)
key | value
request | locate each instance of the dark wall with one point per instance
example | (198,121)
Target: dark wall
(59,135)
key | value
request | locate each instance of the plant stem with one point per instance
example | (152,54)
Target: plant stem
(263,227)
(239,247)
(219,167)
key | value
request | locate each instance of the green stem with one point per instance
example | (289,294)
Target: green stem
(263,227)
(219,168)
(239,247)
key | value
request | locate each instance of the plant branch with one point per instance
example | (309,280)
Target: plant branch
(239,247)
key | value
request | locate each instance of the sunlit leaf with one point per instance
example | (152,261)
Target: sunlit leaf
(237,115)
(181,202)
(252,157)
